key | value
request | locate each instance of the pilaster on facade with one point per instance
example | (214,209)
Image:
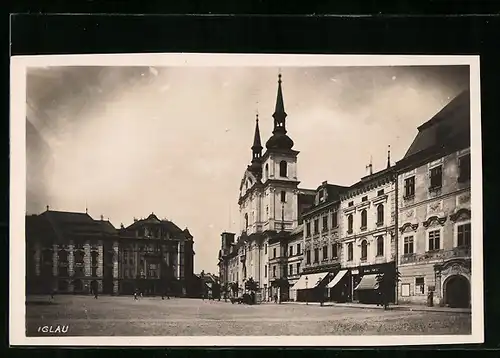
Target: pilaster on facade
(100,260)
(71,260)
(87,260)
(116,269)
(55,260)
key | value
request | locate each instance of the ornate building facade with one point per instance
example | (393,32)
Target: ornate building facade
(70,252)
(435,210)
(368,237)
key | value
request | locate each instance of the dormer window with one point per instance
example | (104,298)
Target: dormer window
(321,196)
(283,169)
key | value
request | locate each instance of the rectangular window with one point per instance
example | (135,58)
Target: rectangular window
(350,251)
(298,249)
(364,198)
(380,192)
(290,269)
(351,203)
(325,223)
(463,235)
(405,289)
(409,187)
(380,246)
(419,285)
(308,256)
(63,271)
(94,271)
(291,251)
(298,268)
(265,249)
(434,240)
(265,270)
(308,229)
(283,196)
(436,176)
(334,250)
(334,220)
(274,253)
(316,255)
(316,226)
(325,252)
(284,271)
(464,168)
(274,271)
(408,245)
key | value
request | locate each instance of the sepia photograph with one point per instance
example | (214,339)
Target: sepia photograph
(246,200)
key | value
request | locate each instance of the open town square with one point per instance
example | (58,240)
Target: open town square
(152,316)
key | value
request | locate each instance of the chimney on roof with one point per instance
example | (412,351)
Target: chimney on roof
(47,208)
(389,156)
(369,168)
(135,220)
(102,217)
(122,226)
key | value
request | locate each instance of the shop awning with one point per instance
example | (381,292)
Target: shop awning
(337,278)
(313,280)
(368,282)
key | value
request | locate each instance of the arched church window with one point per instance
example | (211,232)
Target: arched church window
(267,171)
(283,168)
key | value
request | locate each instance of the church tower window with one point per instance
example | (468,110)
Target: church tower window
(283,169)
(267,171)
(283,196)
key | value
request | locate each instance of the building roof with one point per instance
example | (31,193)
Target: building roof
(449,128)
(168,225)
(64,225)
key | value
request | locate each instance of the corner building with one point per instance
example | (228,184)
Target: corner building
(435,210)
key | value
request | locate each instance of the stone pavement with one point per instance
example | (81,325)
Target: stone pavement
(404,307)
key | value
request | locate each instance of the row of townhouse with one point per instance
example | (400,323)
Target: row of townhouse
(411,219)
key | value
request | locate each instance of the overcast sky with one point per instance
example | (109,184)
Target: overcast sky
(128,141)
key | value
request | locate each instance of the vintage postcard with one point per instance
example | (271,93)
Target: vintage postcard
(225,200)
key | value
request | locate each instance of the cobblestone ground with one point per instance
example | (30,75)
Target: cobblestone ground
(150,316)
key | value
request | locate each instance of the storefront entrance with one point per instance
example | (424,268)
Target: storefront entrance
(457,291)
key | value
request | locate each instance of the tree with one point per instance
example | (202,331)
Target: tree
(386,284)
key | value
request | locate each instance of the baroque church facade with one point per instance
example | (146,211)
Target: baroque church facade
(270,203)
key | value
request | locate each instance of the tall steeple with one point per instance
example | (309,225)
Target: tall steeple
(279,140)
(256,166)
(279,111)
(257,146)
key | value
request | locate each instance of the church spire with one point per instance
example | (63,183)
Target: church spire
(389,156)
(279,140)
(279,111)
(257,146)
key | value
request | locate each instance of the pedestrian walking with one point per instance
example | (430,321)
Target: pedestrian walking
(135,296)
(275,298)
(95,294)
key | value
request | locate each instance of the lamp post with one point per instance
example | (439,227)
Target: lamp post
(307,300)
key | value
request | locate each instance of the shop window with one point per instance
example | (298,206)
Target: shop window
(419,286)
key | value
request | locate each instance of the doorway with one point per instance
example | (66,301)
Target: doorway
(457,292)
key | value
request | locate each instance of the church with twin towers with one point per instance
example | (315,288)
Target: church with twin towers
(270,202)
